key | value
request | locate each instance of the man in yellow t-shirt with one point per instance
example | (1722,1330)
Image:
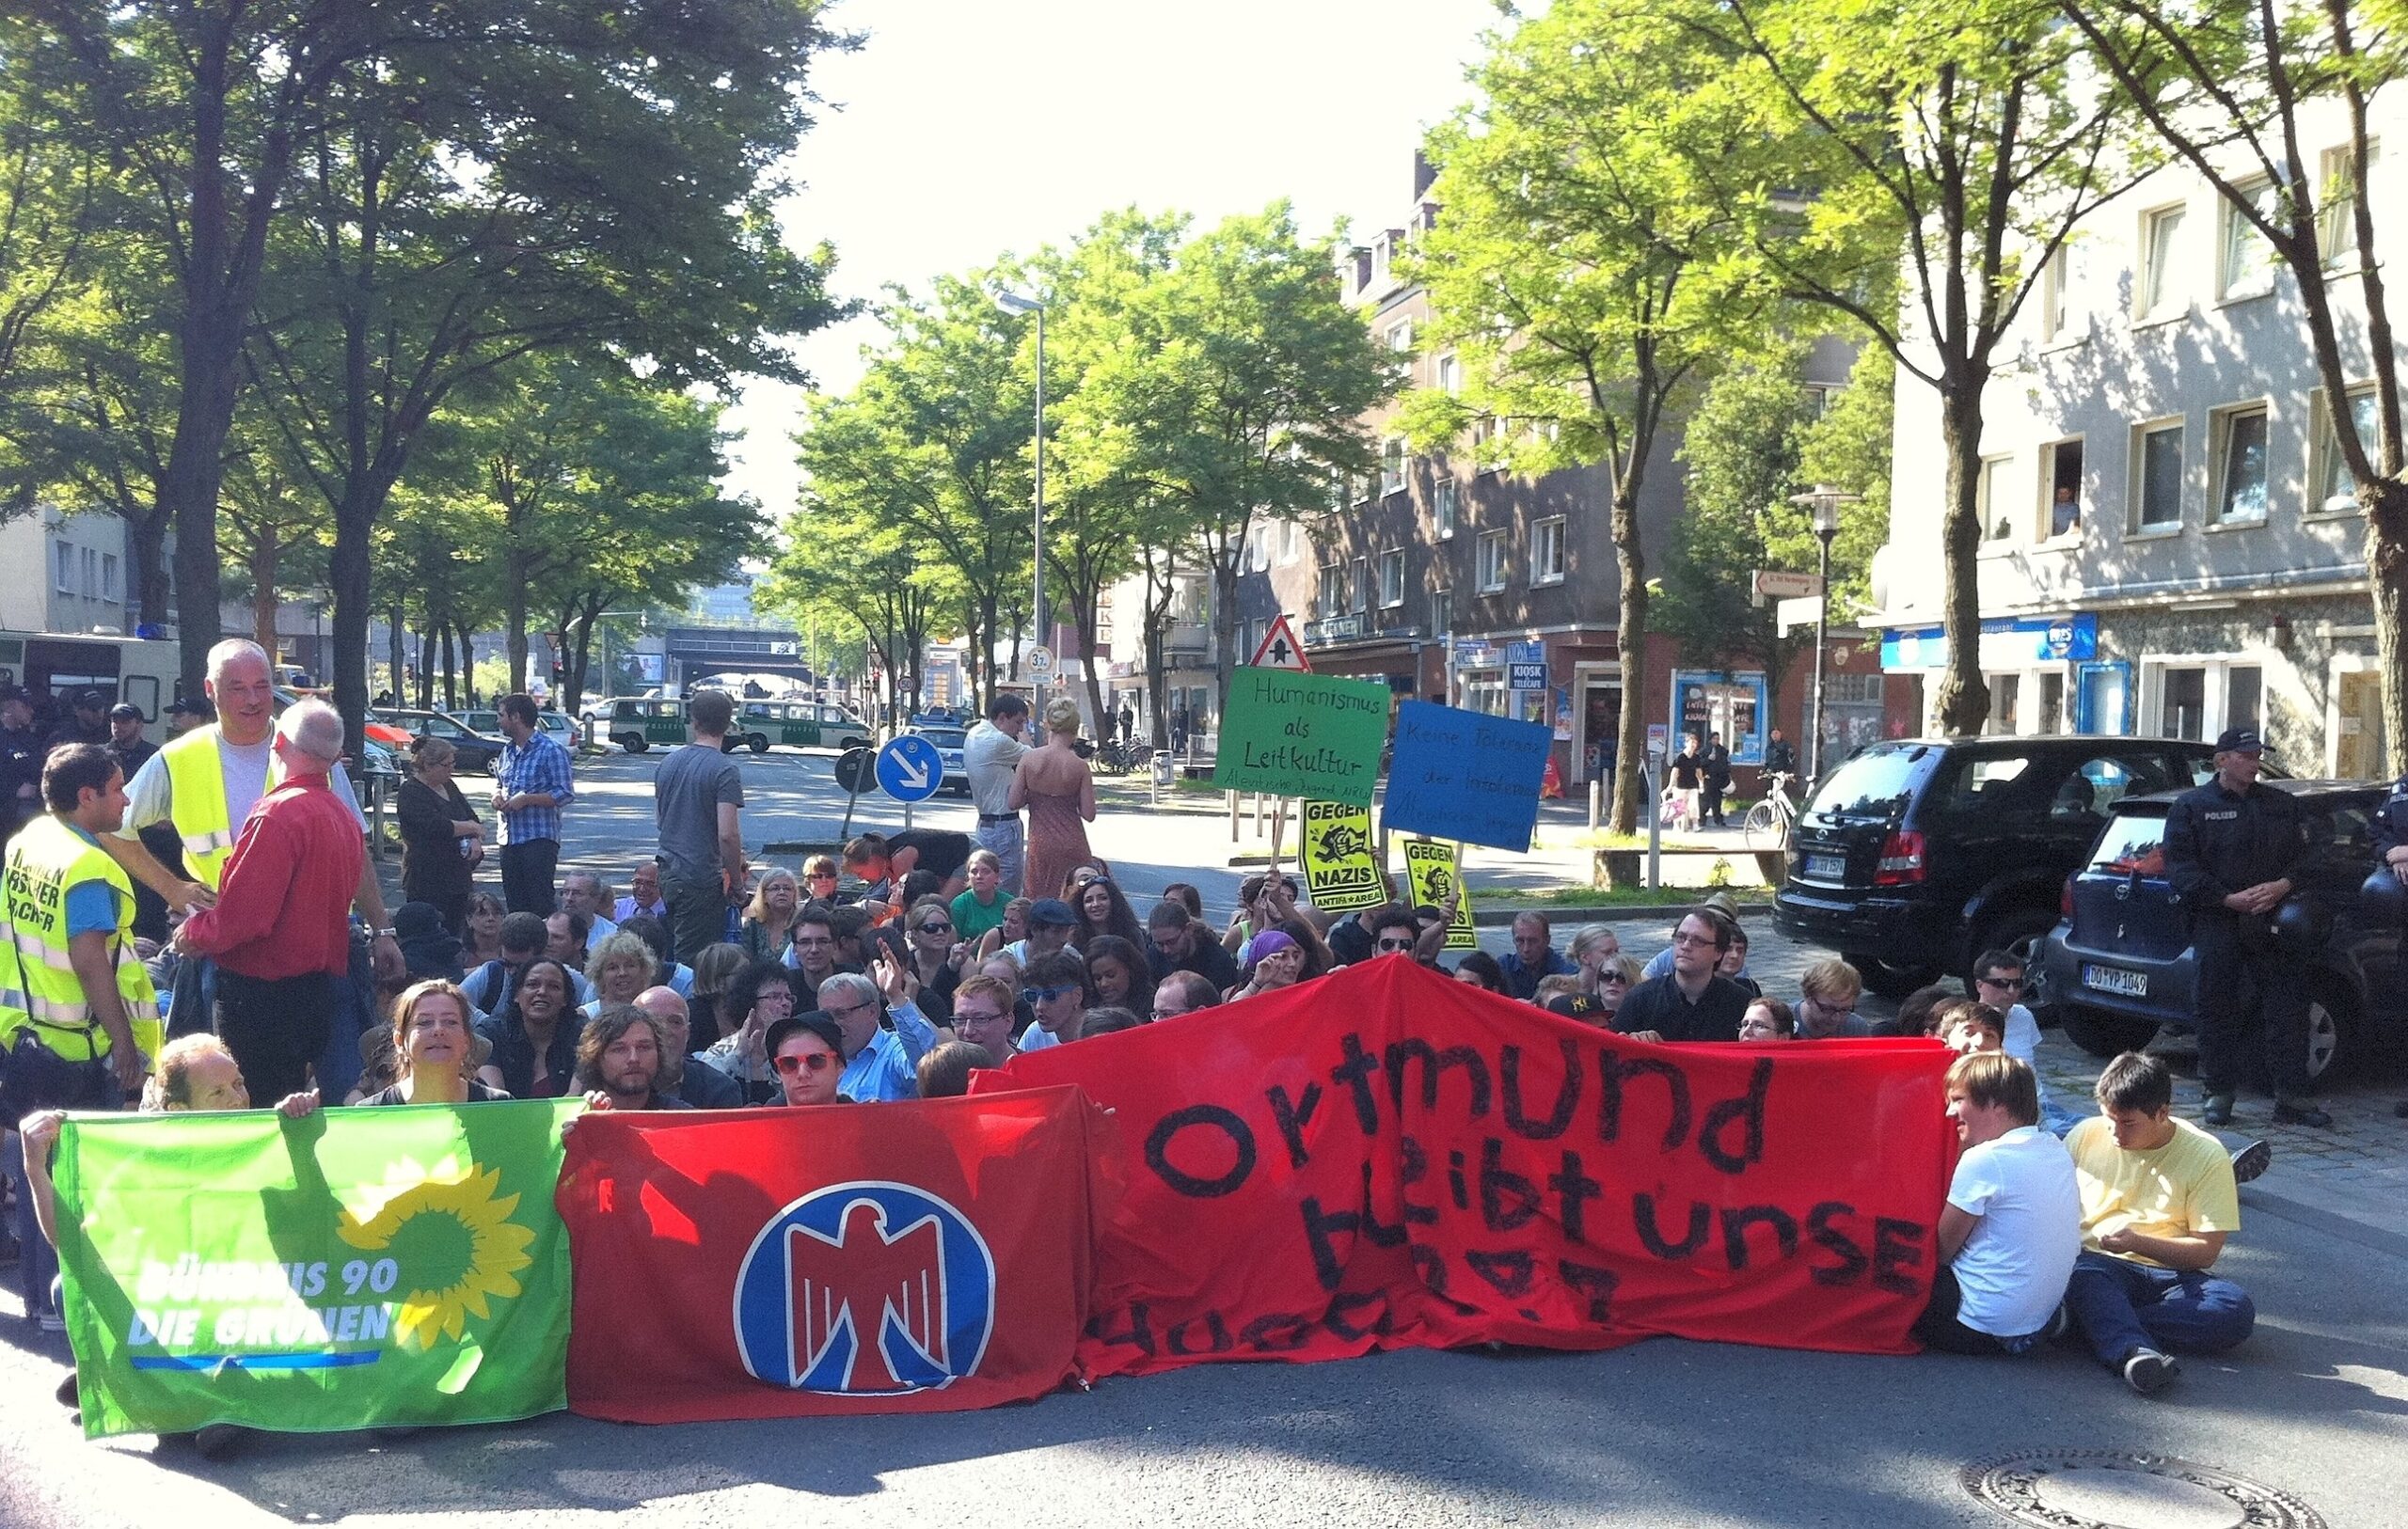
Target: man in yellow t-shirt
(2158,1200)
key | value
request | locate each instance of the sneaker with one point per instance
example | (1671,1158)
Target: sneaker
(2250,1161)
(2149,1372)
(54,1322)
(2060,1326)
(67,1395)
(2218,1110)
(2300,1112)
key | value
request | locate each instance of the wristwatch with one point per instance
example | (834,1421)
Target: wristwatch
(384,934)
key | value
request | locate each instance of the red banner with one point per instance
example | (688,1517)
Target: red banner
(1388,1158)
(925,1257)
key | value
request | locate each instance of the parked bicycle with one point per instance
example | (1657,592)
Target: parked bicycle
(1768,821)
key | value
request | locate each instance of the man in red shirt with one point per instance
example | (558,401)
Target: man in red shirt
(280,931)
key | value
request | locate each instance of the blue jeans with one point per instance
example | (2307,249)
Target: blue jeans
(2121,1305)
(192,997)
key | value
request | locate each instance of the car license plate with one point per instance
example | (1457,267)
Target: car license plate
(2115,980)
(1827,867)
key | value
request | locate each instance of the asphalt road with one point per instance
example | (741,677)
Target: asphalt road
(1664,1432)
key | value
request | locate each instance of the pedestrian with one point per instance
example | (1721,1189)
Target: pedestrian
(1781,758)
(2011,1228)
(1057,787)
(281,929)
(1179,730)
(698,794)
(80,1013)
(991,753)
(442,837)
(533,782)
(1689,782)
(2233,848)
(1713,768)
(21,761)
(1128,724)
(88,720)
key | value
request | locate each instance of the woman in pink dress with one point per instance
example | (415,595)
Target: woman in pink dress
(1053,784)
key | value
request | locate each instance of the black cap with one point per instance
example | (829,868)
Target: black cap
(126,710)
(13,692)
(1052,913)
(187,706)
(90,701)
(818,1021)
(2240,740)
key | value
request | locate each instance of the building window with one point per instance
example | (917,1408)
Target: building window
(2335,492)
(2246,266)
(108,576)
(2006,698)
(1546,551)
(66,568)
(2053,297)
(2239,497)
(1815,398)
(2337,221)
(1291,540)
(2062,466)
(2158,491)
(1392,578)
(2182,704)
(2243,691)
(1362,584)
(1392,465)
(1442,508)
(1997,500)
(1491,561)
(1333,590)
(1442,612)
(1401,334)
(91,573)
(1450,375)
(2161,294)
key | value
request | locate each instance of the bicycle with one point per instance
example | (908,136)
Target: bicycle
(1768,823)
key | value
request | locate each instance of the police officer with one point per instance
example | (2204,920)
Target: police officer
(2232,847)
(21,757)
(87,722)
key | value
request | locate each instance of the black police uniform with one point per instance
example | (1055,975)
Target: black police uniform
(20,760)
(2218,842)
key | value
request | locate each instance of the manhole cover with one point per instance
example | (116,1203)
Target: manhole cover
(2098,1489)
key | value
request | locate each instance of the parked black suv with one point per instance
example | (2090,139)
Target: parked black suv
(1916,854)
(2119,966)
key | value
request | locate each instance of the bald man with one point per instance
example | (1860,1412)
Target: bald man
(687,1076)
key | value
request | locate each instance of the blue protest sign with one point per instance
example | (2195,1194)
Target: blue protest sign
(1465,776)
(910,770)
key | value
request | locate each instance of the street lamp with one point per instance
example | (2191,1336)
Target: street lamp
(1823,502)
(1014,302)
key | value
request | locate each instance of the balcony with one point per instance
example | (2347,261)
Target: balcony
(1187,642)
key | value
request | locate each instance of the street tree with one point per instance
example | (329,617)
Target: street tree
(2268,104)
(1582,276)
(851,564)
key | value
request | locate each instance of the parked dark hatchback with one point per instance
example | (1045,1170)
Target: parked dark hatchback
(2119,966)
(1916,854)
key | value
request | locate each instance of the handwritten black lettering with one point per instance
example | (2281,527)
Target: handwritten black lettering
(1738,1218)
(1897,1246)
(1613,1068)
(1435,1066)
(1293,1117)
(1567,1093)
(1215,1116)
(1748,1109)
(1651,1232)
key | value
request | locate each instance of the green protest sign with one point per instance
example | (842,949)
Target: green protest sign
(1295,735)
(1340,874)
(354,1269)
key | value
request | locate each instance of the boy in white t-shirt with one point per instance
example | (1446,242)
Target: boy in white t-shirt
(2012,1227)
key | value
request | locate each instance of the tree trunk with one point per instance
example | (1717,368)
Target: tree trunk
(347,575)
(450,696)
(1630,646)
(426,668)
(146,543)
(1225,627)
(514,625)
(1083,611)
(394,642)
(2386,503)
(263,570)
(1964,700)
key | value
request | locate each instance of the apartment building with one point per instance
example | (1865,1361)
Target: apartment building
(82,572)
(2170,547)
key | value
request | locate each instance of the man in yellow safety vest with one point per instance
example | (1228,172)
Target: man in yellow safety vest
(77,1012)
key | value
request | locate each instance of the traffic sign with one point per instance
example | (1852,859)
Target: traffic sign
(1040,663)
(857,770)
(1279,648)
(1779,584)
(910,770)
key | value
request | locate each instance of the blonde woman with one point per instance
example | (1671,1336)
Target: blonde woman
(619,967)
(768,919)
(1052,783)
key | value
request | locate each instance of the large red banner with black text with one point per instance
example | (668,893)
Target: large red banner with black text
(925,1257)
(1388,1158)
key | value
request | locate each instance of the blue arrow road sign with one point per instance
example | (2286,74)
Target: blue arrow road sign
(910,770)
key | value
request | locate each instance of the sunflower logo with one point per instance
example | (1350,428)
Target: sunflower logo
(446,1226)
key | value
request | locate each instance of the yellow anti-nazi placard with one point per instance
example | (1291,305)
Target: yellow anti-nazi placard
(1340,874)
(1430,867)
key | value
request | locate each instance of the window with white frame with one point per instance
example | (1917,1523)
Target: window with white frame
(2245,262)
(1546,550)
(1332,600)
(2053,297)
(2160,294)
(2157,476)
(1450,375)
(91,573)
(1401,334)
(1490,562)
(2336,217)
(2198,698)
(2244,694)
(2335,494)
(1392,465)
(1362,584)
(1996,499)
(1392,578)
(1442,508)
(2239,447)
(1815,398)
(66,568)
(1442,612)
(1291,540)
(2061,485)
(108,576)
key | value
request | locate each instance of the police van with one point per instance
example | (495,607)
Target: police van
(52,668)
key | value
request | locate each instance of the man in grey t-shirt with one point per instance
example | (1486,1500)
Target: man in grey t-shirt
(696,795)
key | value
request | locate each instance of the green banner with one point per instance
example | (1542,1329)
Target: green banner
(1295,735)
(357,1269)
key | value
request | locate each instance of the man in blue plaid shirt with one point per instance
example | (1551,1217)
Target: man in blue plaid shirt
(532,783)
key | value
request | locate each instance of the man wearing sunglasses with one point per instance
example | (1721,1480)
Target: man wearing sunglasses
(1998,981)
(880,1064)
(807,1050)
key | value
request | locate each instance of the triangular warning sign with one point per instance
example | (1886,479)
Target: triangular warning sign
(1279,648)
